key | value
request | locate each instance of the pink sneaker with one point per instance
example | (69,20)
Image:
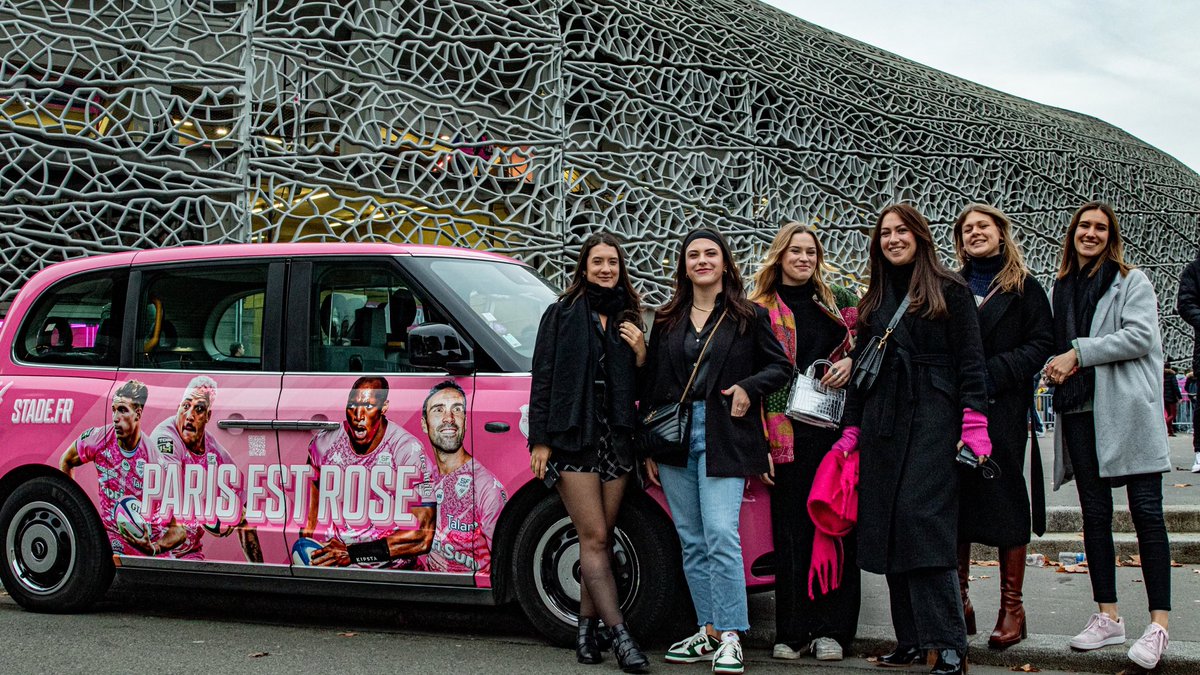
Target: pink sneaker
(1101,631)
(1150,647)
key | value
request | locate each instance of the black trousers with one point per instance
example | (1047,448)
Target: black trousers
(927,609)
(1096,502)
(799,619)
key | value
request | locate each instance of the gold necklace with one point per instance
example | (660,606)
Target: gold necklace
(702,309)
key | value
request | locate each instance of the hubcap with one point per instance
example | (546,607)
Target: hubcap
(41,547)
(557,575)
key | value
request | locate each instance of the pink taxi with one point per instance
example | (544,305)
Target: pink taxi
(345,419)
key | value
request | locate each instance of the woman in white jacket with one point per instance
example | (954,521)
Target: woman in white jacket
(1109,402)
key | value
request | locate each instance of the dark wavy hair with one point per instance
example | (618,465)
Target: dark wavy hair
(732,287)
(929,274)
(578,285)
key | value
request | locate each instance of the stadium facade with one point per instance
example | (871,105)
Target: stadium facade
(521,127)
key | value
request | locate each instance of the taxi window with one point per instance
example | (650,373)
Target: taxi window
(75,322)
(361,318)
(208,318)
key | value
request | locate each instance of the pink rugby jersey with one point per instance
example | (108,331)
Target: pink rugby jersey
(398,448)
(469,500)
(120,474)
(169,448)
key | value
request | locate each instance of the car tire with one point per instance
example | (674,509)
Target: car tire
(55,555)
(648,571)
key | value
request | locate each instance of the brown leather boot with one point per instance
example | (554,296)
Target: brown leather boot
(1010,625)
(964,576)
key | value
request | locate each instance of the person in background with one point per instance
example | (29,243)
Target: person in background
(1188,306)
(908,475)
(581,419)
(1109,407)
(1170,396)
(1014,320)
(726,442)
(812,319)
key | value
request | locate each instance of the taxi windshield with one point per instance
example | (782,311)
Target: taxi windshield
(509,298)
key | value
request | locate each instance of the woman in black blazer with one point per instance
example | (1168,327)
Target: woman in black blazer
(581,418)
(726,444)
(1018,337)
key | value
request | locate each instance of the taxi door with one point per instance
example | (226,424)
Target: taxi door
(361,460)
(202,340)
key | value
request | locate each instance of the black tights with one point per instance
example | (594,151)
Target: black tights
(593,507)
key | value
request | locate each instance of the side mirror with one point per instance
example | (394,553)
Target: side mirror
(437,345)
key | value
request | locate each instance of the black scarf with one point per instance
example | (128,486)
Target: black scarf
(607,301)
(1075,298)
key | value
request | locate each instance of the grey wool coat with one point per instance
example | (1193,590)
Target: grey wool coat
(1125,346)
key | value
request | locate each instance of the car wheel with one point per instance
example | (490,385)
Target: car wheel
(56,557)
(646,567)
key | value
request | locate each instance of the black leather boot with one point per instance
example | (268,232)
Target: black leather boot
(949,662)
(629,655)
(902,657)
(586,648)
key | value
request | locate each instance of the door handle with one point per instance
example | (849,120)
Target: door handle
(496,427)
(306,425)
(260,425)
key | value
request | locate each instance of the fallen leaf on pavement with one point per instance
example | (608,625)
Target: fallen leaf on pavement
(986,563)
(1027,668)
(1138,581)
(347,634)
(1176,564)
(1073,569)
(259,655)
(1182,485)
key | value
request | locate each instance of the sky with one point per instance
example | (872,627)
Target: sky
(1132,63)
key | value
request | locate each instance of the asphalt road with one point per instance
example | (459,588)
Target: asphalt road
(180,631)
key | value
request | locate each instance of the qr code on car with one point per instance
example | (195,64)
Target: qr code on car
(258,446)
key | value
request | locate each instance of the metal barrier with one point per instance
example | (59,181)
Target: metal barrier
(1043,405)
(1183,419)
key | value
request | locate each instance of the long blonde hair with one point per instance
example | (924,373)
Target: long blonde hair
(769,276)
(1011,278)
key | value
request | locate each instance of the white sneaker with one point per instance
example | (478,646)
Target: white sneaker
(1101,631)
(1149,648)
(1196,464)
(698,647)
(826,649)
(784,651)
(729,657)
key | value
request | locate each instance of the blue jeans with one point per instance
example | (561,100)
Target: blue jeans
(706,512)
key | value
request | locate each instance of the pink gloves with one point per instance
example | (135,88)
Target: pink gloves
(975,432)
(848,443)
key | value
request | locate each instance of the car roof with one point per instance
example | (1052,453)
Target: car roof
(217,251)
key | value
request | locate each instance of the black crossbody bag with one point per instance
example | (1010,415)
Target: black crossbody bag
(867,368)
(663,429)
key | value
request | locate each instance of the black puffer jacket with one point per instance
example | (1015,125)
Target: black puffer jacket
(1189,305)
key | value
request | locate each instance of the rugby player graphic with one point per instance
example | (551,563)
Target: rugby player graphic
(469,498)
(368,439)
(184,440)
(120,453)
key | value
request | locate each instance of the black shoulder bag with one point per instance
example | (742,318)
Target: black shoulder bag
(663,430)
(867,368)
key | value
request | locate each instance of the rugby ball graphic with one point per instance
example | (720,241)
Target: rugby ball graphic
(303,550)
(127,517)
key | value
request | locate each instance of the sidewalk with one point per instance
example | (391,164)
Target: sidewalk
(1057,604)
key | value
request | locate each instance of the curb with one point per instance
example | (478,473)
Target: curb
(1047,652)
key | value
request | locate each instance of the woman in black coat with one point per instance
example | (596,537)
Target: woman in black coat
(929,394)
(704,483)
(1018,337)
(581,418)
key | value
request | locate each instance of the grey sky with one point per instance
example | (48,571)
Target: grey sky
(1132,63)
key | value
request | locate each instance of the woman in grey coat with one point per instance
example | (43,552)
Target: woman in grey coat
(1108,397)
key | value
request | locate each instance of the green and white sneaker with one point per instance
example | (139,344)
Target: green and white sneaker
(698,647)
(729,657)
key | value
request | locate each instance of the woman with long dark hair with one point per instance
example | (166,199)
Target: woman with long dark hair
(930,393)
(581,420)
(1014,319)
(813,320)
(1108,403)
(704,483)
